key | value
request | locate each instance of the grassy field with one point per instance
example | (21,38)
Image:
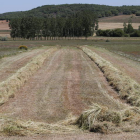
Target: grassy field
(129,46)
(9,48)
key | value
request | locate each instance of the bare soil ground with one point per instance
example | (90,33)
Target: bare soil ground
(67,84)
(111,25)
(4,25)
(117,21)
(80,136)
(121,19)
(4,28)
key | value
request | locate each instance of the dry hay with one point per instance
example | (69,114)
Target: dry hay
(126,87)
(12,84)
(101,119)
(12,127)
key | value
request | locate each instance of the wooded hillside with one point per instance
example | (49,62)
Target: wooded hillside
(67,10)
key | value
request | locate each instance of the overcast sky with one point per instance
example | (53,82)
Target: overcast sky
(23,5)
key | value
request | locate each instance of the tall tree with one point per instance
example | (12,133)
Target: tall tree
(130,28)
(14,25)
(125,27)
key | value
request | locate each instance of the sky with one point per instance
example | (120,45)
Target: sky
(23,5)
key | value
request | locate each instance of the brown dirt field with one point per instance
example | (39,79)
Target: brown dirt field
(109,25)
(2,21)
(67,84)
(121,19)
(4,25)
(117,21)
(79,136)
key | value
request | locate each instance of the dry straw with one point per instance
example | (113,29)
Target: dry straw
(13,127)
(12,84)
(126,87)
(103,120)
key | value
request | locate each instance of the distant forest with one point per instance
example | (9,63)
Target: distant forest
(67,21)
(67,10)
(81,24)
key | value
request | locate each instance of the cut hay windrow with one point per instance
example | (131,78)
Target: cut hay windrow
(126,87)
(12,127)
(13,83)
(101,119)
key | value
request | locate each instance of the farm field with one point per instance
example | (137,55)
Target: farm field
(50,86)
(4,29)
(111,25)
(4,25)
(117,21)
(121,19)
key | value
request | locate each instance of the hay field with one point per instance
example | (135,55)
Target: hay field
(111,25)
(64,91)
(117,22)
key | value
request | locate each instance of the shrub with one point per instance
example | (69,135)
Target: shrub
(110,33)
(130,28)
(118,33)
(100,32)
(126,35)
(135,34)
(107,40)
(3,39)
(23,47)
(138,13)
(127,12)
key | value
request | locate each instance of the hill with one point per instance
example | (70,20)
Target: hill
(121,19)
(67,10)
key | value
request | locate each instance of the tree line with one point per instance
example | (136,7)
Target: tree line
(80,24)
(127,31)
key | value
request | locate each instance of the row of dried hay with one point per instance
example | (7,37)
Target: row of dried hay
(12,127)
(102,120)
(12,84)
(127,88)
